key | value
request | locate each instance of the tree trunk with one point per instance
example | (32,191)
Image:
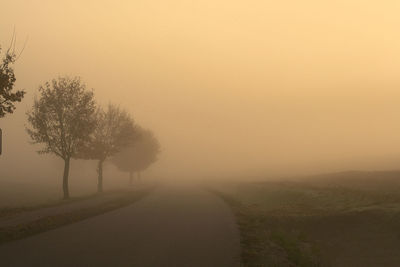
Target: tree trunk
(100,177)
(65,178)
(130,178)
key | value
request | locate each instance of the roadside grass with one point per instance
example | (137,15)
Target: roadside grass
(20,231)
(300,224)
(10,211)
(292,244)
(267,241)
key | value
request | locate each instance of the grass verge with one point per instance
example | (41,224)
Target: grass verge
(8,234)
(10,211)
(270,240)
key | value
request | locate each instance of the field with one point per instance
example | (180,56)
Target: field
(343,219)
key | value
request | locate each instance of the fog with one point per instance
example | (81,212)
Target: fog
(230,88)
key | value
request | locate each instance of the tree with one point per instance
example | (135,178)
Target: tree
(138,156)
(62,120)
(7,81)
(114,130)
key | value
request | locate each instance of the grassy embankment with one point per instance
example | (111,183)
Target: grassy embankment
(19,231)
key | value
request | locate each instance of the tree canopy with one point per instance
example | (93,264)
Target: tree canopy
(114,129)
(7,81)
(62,118)
(140,155)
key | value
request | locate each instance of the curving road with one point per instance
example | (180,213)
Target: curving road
(174,226)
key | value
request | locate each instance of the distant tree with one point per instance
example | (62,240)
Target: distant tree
(7,81)
(113,131)
(62,119)
(139,156)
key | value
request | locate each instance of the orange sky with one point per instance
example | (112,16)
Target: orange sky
(229,87)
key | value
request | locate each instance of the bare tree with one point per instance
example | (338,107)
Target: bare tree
(7,81)
(114,130)
(139,156)
(62,120)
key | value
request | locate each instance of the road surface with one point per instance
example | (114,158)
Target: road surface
(174,226)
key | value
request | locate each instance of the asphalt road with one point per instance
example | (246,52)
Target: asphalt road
(174,226)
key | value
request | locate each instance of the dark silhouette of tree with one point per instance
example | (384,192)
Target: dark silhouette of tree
(7,81)
(139,155)
(114,130)
(62,119)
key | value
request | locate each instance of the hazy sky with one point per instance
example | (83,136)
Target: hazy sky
(228,87)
